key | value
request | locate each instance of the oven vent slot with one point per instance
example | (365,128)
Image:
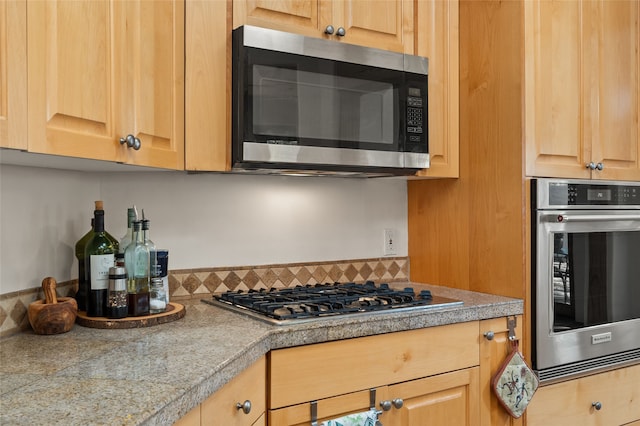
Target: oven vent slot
(591,366)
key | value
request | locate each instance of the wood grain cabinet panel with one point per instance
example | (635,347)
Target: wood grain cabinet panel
(101,70)
(574,402)
(582,67)
(250,385)
(442,400)
(437,38)
(385,24)
(368,362)
(13,74)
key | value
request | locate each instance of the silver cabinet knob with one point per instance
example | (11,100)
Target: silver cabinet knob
(597,405)
(329,30)
(131,141)
(385,405)
(489,335)
(591,165)
(599,166)
(245,407)
(341,32)
(398,403)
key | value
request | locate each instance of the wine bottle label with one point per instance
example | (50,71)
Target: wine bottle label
(100,265)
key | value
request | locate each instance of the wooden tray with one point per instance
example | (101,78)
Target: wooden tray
(174,312)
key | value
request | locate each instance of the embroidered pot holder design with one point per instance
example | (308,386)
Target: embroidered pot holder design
(514,383)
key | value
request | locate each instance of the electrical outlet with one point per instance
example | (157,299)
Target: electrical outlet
(389,242)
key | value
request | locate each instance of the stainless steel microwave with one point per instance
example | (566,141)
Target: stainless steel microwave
(310,105)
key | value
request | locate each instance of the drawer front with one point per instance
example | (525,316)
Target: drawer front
(250,385)
(617,391)
(312,372)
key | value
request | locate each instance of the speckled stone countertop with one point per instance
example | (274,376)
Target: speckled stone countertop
(155,375)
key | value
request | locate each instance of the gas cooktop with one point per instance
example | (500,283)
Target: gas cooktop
(313,302)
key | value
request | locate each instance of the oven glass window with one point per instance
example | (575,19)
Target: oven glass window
(595,278)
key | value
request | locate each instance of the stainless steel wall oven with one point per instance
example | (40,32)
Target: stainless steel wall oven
(586,276)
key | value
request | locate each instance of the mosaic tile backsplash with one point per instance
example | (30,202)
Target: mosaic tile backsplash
(203,282)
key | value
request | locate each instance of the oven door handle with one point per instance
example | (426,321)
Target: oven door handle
(563,218)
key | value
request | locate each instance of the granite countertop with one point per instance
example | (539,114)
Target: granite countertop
(155,375)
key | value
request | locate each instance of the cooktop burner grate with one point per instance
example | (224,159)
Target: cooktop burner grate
(307,302)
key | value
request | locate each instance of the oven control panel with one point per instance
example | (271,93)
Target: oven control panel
(552,193)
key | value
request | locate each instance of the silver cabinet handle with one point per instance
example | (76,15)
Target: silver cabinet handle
(131,141)
(594,166)
(245,407)
(329,30)
(398,402)
(597,405)
(385,405)
(341,32)
(489,335)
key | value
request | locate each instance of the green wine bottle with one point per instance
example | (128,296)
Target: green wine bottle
(99,256)
(83,286)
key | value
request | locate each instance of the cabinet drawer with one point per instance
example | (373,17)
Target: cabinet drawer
(327,409)
(250,385)
(312,372)
(570,402)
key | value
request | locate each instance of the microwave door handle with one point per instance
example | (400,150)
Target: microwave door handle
(563,218)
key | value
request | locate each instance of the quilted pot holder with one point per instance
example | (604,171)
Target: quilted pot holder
(514,383)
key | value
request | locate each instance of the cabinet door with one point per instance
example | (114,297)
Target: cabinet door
(554,84)
(72,81)
(13,74)
(612,63)
(446,399)
(494,348)
(327,408)
(386,24)
(249,386)
(149,44)
(100,70)
(438,39)
(582,67)
(300,17)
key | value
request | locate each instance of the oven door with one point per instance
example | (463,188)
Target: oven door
(587,292)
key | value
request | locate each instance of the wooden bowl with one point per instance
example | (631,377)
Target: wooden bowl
(52,315)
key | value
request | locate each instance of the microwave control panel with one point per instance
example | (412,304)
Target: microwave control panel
(415,115)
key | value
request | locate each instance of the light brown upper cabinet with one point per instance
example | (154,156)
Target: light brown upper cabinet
(13,74)
(387,24)
(99,71)
(437,38)
(582,62)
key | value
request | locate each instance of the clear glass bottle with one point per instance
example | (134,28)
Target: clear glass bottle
(136,261)
(127,238)
(155,272)
(82,295)
(99,256)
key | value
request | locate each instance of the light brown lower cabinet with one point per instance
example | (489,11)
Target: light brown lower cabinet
(610,398)
(436,376)
(426,373)
(227,406)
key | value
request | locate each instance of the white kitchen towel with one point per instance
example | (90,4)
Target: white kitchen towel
(367,418)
